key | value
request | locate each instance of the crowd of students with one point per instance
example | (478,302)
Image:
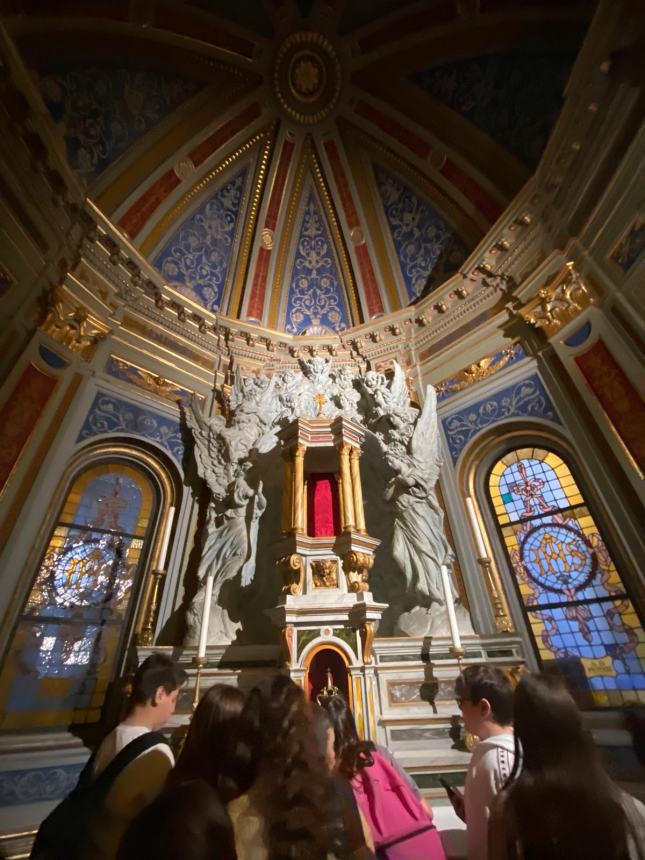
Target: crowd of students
(272,776)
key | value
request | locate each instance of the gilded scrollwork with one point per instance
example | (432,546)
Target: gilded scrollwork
(367,632)
(72,325)
(292,569)
(559,303)
(357,566)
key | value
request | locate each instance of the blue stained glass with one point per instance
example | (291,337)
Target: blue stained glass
(110,501)
(530,487)
(574,598)
(65,647)
(88,573)
(598,632)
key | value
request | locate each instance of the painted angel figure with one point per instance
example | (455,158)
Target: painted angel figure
(419,545)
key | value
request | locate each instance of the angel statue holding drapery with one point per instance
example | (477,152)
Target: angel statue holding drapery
(223,456)
(410,442)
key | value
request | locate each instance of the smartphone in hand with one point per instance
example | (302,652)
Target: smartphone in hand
(455,796)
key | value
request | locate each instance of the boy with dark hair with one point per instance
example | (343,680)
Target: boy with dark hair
(155,688)
(485,698)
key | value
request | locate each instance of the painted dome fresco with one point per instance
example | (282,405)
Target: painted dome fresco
(303,166)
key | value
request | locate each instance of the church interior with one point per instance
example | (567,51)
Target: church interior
(321,338)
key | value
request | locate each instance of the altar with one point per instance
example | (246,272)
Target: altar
(324,519)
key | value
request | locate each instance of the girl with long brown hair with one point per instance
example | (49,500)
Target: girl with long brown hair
(562,805)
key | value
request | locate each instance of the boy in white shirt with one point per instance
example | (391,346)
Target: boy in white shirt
(485,698)
(154,694)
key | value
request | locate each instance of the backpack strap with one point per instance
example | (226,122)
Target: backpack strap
(127,755)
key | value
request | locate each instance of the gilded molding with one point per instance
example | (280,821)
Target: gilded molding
(324,573)
(375,229)
(164,223)
(309,160)
(464,223)
(259,181)
(72,325)
(147,380)
(478,370)
(367,632)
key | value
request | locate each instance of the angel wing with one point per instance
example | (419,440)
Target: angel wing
(424,444)
(211,450)
(399,396)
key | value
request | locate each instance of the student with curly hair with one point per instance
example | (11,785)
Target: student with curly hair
(287,812)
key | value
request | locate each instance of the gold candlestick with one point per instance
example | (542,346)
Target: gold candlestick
(145,636)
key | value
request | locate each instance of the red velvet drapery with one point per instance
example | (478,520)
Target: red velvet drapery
(323,519)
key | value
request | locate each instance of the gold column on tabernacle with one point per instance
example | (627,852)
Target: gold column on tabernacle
(287,494)
(354,463)
(298,514)
(345,474)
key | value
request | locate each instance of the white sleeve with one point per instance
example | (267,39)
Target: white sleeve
(485,780)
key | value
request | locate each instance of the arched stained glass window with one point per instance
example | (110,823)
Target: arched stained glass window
(573,596)
(69,633)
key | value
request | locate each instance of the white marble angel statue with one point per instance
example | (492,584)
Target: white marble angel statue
(232,520)
(391,404)
(419,544)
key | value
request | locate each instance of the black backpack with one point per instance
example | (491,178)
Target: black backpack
(63,834)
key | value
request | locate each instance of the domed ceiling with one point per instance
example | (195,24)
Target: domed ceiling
(305,166)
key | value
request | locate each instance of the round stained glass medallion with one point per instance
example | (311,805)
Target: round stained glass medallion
(558,557)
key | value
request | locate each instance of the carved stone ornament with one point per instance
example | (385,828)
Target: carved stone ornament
(324,572)
(558,304)
(356,566)
(72,325)
(292,569)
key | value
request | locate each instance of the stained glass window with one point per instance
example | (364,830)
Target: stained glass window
(575,602)
(69,634)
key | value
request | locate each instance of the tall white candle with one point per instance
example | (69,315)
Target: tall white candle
(479,538)
(166,538)
(206,612)
(450,607)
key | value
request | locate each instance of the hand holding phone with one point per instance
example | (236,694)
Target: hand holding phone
(456,798)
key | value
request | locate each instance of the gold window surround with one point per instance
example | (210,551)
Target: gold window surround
(146,591)
(569,508)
